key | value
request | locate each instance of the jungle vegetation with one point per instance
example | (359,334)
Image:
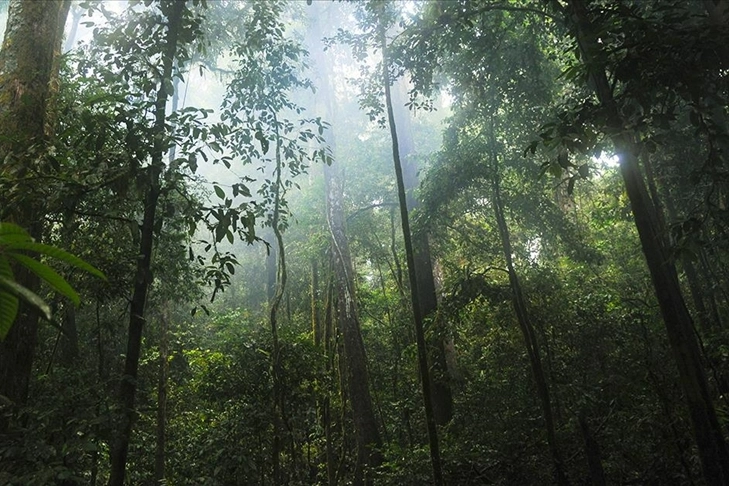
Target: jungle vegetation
(370,242)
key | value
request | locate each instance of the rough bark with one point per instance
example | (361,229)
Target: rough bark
(32,41)
(367,436)
(366,432)
(143,276)
(678,323)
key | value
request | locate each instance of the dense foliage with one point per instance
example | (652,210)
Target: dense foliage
(228,166)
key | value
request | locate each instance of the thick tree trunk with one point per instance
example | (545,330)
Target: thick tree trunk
(679,326)
(143,277)
(366,432)
(32,41)
(367,436)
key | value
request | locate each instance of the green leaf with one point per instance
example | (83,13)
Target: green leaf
(58,254)
(14,289)
(12,229)
(49,275)
(8,310)
(219,192)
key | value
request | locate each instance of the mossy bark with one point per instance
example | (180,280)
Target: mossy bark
(32,40)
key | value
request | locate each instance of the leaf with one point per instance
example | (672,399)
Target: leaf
(49,275)
(11,288)
(219,192)
(58,254)
(12,229)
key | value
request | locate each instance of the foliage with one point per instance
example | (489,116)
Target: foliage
(14,243)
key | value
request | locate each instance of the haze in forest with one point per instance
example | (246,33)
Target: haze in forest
(363,243)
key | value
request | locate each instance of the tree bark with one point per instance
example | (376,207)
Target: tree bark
(32,41)
(143,278)
(679,325)
(366,432)
(367,436)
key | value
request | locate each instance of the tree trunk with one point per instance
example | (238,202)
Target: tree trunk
(275,304)
(442,396)
(414,292)
(143,277)
(160,445)
(32,40)
(592,451)
(367,434)
(527,329)
(679,326)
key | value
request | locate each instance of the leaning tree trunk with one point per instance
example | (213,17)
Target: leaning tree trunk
(679,325)
(442,396)
(413,278)
(32,41)
(142,278)
(527,329)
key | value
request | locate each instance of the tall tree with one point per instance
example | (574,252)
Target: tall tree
(425,381)
(678,322)
(439,337)
(28,58)
(173,12)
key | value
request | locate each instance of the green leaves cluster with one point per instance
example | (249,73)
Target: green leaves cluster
(15,243)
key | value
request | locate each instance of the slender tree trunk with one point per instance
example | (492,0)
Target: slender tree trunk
(32,42)
(527,329)
(327,408)
(143,278)
(160,445)
(441,390)
(414,292)
(280,287)
(679,326)
(592,451)
(76,14)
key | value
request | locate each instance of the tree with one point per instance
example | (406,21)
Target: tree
(27,60)
(679,323)
(174,11)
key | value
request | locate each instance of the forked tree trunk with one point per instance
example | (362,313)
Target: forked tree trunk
(32,42)
(142,279)
(679,326)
